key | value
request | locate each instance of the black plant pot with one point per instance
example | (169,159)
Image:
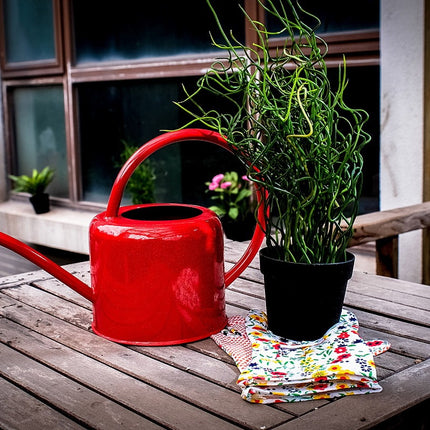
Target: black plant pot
(40,203)
(303,300)
(239,230)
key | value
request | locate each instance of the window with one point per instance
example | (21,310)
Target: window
(40,133)
(130,33)
(84,77)
(31,37)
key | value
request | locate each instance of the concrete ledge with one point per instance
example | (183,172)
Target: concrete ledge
(61,228)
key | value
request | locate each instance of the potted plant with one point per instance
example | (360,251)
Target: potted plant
(35,185)
(233,197)
(302,144)
(141,184)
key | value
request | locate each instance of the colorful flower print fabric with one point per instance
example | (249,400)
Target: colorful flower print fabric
(275,370)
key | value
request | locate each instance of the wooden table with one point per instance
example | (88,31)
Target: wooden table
(55,373)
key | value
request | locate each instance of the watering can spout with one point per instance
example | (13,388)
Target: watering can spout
(47,265)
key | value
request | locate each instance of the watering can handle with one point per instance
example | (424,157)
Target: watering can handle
(174,137)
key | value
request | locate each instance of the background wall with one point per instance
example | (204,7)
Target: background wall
(402,113)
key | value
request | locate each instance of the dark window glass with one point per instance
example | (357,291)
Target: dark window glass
(363,92)
(132,29)
(29,30)
(337,15)
(40,134)
(136,112)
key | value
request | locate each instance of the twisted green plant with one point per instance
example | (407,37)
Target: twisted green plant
(295,134)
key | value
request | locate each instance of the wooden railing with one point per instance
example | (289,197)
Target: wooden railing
(384,227)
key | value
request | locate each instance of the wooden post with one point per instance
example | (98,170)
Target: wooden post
(426,143)
(426,256)
(387,256)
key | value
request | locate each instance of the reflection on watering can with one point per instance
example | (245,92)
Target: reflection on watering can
(157,270)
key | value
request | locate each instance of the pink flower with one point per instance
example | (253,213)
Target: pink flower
(213,186)
(225,185)
(217,178)
(245,178)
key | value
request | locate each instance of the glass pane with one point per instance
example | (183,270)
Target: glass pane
(135,112)
(29,30)
(363,92)
(40,134)
(338,15)
(105,32)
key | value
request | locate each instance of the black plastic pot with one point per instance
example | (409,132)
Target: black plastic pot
(40,203)
(239,230)
(303,300)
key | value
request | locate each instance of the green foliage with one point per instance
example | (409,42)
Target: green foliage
(34,184)
(232,194)
(141,184)
(298,139)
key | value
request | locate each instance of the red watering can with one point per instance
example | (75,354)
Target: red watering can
(157,270)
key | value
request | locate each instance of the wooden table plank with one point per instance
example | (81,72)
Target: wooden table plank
(196,390)
(401,391)
(46,324)
(388,308)
(362,279)
(20,410)
(384,323)
(118,386)
(85,405)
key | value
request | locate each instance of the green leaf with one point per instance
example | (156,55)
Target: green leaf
(233,213)
(219,211)
(244,193)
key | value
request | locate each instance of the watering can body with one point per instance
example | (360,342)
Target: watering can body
(157,280)
(157,270)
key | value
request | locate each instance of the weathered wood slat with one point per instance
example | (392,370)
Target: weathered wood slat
(387,326)
(218,373)
(395,362)
(388,284)
(401,391)
(36,324)
(126,390)
(396,310)
(85,405)
(397,297)
(400,345)
(398,285)
(245,303)
(377,225)
(183,385)
(20,411)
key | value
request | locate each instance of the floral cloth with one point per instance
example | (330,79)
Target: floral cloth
(274,369)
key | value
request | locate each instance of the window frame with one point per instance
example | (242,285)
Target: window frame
(33,68)
(361,48)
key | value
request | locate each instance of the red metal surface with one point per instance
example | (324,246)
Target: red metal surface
(46,264)
(157,282)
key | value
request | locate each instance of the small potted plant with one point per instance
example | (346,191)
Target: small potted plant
(142,183)
(233,197)
(35,185)
(302,144)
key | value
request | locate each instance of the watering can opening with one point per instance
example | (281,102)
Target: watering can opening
(158,212)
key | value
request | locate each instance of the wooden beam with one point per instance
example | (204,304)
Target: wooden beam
(378,225)
(384,227)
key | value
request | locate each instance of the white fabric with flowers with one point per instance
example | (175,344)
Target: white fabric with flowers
(274,369)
